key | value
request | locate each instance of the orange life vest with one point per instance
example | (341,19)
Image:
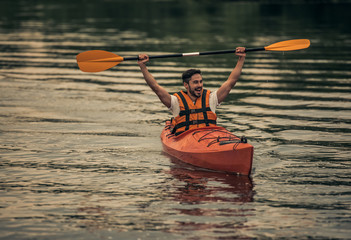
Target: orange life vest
(193,115)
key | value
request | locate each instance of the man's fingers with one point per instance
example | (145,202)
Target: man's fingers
(143,57)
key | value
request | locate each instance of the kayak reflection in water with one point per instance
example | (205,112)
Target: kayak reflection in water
(196,107)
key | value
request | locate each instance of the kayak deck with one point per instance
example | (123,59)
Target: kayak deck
(213,148)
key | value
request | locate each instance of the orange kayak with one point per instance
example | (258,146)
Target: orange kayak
(213,148)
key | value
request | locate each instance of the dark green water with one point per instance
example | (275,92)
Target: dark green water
(80,154)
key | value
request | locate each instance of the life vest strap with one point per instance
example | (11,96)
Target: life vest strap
(194,122)
(204,109)
(191,111)
(186,106)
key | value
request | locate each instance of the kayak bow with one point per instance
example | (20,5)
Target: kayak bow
(212,148)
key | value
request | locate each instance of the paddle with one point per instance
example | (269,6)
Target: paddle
(98,60)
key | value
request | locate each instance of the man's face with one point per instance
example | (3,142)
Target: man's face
(195,86)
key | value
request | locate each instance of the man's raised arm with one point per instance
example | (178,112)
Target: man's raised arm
(224,90)
(162,94)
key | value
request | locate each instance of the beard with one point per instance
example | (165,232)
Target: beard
(196,92)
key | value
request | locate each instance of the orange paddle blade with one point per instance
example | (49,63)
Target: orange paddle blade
(97,60)
(289,45)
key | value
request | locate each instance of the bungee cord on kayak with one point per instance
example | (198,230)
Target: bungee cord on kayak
(229,138)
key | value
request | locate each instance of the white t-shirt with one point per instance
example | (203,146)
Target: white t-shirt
(175,109)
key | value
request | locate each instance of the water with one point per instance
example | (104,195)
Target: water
(80,153)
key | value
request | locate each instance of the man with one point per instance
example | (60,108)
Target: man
(196,107)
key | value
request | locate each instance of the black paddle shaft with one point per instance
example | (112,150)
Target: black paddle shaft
(195,54)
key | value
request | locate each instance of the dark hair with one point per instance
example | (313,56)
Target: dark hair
(188,74)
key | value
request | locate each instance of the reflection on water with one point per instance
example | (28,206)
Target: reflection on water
(198,186)
(80,153)
(206,194)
